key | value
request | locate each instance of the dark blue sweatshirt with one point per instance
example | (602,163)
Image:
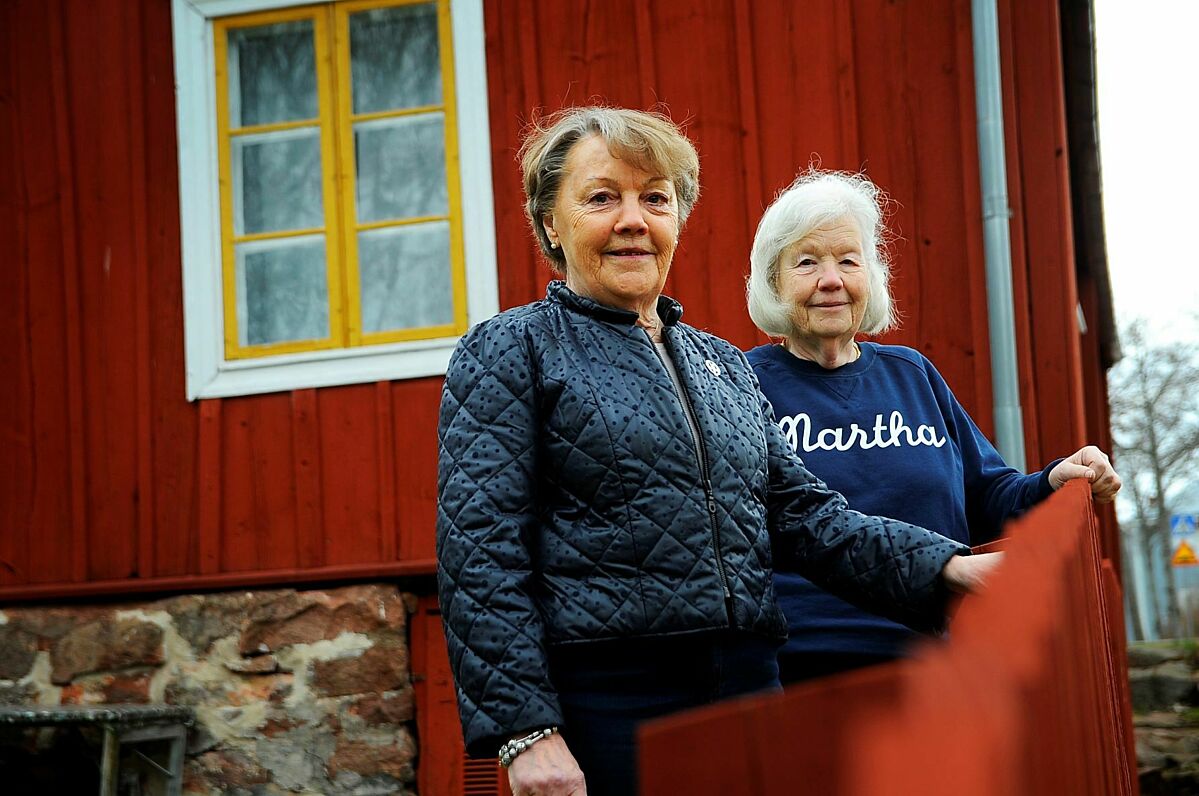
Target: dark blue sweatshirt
(887,433)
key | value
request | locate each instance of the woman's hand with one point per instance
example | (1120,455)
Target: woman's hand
(969,574)
(547,768)
(1093,465)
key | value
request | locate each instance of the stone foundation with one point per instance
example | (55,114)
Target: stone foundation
(1165,701)
(294,691)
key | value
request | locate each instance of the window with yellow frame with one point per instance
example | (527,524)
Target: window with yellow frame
(339,188)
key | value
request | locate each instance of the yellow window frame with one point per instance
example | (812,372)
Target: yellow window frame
(335,121)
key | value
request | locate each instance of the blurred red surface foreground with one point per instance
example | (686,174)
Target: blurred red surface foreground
(1028,695)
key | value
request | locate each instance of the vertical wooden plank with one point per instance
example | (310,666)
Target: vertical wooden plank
(847,94)
(1103,695)
(386,456)
(307,462)
(134,88)
(44,508)
(71,295)
(981,405)
(443,767)
(1120,695)
(96,78)
(257,491)
(1026,369)
(173,421)
(1049,228)
(805,94)
(643,28)
(1098,412)
(349,484)
(513,92)
(757,197)
(271,466)
(210,509)
(242,479)
(588,56)
(417,403)
(527,29)
(750,154)
(18,460)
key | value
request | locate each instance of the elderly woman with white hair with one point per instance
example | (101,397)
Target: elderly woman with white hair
(875,422)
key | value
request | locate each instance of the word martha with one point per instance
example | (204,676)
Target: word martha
(842,439)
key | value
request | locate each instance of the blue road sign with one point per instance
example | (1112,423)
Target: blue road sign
(1184,524)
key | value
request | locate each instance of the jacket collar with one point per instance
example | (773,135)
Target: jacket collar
(669,310)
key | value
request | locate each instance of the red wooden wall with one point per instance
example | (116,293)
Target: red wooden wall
(111,481)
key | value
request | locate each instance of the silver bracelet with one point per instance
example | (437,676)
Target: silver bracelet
(511,749)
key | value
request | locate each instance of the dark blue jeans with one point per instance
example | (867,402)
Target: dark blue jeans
(607,688)
(796,667)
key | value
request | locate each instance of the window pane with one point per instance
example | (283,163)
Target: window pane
(405,277)
(282,291)
(401,167)
(272,74)
(394,58)
(277,182)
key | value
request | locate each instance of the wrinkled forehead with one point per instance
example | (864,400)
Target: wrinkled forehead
(837,232)
(636,154)
(844,231)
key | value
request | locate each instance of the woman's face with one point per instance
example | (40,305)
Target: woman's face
(823,277)
(617,225)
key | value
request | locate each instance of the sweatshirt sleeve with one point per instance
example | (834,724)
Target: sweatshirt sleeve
(995,492)
(485,515)
(884,566)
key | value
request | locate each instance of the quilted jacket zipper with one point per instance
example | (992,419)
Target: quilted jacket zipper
(701,456)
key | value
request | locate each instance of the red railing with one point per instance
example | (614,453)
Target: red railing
(1028,695)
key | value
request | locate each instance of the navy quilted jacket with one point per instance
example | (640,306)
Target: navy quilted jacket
(574,506)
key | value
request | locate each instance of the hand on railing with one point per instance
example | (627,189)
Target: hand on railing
(968,574)
(1091,464)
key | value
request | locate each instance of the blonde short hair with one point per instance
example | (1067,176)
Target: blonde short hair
(818,197)
(651,141)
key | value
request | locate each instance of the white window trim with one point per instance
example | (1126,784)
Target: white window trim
(209,374)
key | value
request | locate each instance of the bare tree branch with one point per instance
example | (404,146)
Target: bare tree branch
(1154,398)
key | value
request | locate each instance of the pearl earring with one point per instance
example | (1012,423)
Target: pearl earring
(553,244)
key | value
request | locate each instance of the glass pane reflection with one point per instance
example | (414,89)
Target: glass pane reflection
(282,291)
(272,74)
(394,58)
(401,168)
(277,182)
(405,277)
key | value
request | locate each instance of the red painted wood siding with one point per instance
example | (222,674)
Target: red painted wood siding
(111,481)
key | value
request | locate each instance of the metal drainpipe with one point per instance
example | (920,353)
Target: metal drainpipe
(992,166)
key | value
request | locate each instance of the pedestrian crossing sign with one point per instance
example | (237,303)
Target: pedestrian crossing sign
(1184,555)
(1183,525)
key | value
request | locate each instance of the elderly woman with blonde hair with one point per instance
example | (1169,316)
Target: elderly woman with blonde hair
(875,422)
(612,486)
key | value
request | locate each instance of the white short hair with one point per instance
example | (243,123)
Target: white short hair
(818,197)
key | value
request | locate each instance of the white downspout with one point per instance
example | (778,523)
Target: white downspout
(997,246)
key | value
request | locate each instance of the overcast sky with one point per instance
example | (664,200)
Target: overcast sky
(1148,74)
